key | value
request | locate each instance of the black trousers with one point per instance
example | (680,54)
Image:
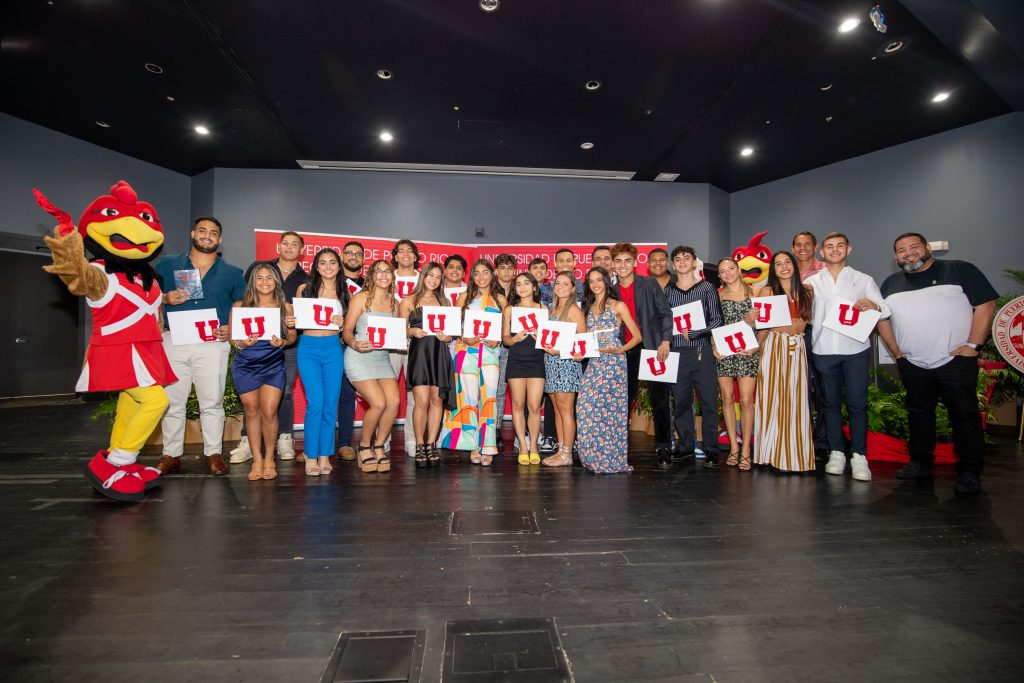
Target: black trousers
(816,396)
(697,370)
(659,393)
(956,385)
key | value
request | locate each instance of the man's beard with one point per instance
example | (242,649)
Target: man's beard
(914,266)
(204,250)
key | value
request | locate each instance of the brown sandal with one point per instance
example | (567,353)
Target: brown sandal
(733,459)
(368,464)
(256,471)
(745,463)
(270,469)
(384,463)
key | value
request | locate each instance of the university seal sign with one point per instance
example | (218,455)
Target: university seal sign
(1008,332)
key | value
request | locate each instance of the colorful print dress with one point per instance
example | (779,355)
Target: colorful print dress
(602,418)
(472,424)
(737,365)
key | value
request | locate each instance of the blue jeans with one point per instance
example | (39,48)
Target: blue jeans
(321,366)
(346,413)
(845,375)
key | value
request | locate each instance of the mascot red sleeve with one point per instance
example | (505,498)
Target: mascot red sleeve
(125,351)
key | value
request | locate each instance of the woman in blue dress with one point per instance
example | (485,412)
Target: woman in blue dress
(602,414)
(259,371)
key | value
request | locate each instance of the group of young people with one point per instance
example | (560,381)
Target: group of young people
(798,374)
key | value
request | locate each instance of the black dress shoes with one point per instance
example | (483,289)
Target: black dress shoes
(664,458)
(914,470)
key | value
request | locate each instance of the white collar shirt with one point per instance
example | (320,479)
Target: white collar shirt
(851,284)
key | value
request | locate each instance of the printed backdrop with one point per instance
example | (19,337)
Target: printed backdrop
(378,248)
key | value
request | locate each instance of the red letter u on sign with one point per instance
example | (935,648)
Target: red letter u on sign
(682,323)
(657,366)
(848,315)
(764,312)
(737,342)
(376,335)
(322,314)
(481,328)
(549,337)
(260,325)
(201,327)
(435,323)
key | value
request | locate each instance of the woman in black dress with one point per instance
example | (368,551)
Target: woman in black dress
(430,365)
(524,369)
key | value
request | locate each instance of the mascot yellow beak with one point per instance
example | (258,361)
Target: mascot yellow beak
(754,270)
(127,237)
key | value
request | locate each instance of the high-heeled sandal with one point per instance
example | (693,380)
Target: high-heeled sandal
(733,459)
(256,471)
(312,469)
(434,459)
(562,458)
(368,464)
(745,463)
(269,469)
(486,460)
(383,463)
(421,456)
(474,457)
(328,468)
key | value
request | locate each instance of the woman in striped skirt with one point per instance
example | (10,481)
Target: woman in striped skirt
(782,418)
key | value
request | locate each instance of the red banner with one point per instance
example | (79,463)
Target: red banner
(375,248)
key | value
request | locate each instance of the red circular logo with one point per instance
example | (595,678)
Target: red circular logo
(1008,332)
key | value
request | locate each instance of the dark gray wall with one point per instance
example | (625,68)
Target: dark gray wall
(71,173)
(965,186)
(447,208)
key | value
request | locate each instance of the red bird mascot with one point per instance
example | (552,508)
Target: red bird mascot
(125,351)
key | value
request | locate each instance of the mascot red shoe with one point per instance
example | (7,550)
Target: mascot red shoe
(125,351)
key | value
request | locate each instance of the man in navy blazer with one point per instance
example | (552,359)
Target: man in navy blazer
(647,304)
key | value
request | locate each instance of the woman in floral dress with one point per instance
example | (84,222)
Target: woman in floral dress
(602,415)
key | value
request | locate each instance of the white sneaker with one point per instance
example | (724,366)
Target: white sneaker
(285,447)
(859,468)
(410,448)
(241,452)
(836,463)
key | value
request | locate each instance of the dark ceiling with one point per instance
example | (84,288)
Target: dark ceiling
(685,84)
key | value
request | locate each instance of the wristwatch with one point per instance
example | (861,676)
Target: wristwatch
(972,345)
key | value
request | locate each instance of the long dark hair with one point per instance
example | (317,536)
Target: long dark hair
(797,291)
(251,298)
(316,281)
(589,298)
(513,297)
(421,288)
(556,301)
(472,290)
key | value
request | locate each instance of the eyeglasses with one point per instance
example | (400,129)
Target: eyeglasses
(352,253)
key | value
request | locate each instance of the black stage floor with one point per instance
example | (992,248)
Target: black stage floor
(684,575)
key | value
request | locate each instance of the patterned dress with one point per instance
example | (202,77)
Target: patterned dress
(472,424)
(737,365)
(602,419)
(782,419)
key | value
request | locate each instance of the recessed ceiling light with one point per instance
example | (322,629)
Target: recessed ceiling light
(825,86)
(849,24)
(456,107)
(828,119)
(202,130)
(767,123)
(384,74)
(894,47)
(593,85)
(102,124)
(385,136)
(746,151)
(665,177)
(941,97)
(587,145)
(874,58)
(154,68)
(170,98)
(489,5)
(648,112)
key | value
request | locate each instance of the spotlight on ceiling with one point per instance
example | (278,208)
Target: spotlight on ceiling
(746,151)
(825,87)
(849,24)
(940,97)
(587,145)
(895,46)
(593,85)
(154,68)
(385,136)
(384,74)
(102,124)
(489,5)
(202,130)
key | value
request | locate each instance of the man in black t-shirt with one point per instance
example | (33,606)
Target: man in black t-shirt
(941,315)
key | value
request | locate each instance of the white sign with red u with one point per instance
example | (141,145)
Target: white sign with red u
(556,334)
(771,311)
(193,327)
(844,318)
(263,323)
(688,317)
(482,325)
(316,314)
(386,333)
(526,319)
(442,320)
(734,338)
(654,370)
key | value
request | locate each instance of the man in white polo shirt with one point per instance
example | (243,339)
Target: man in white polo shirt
(941,314)
(842,363)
